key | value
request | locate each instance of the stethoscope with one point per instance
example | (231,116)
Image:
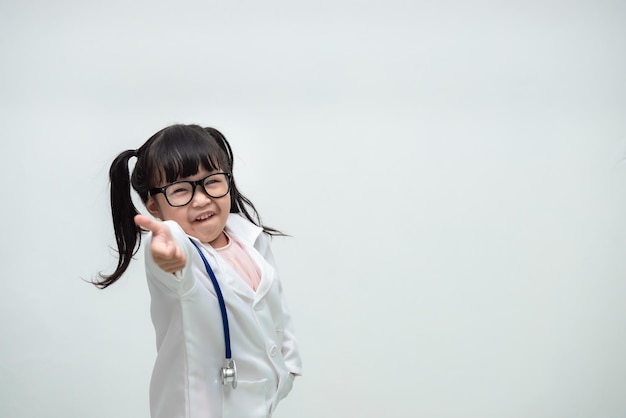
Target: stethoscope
(229,371)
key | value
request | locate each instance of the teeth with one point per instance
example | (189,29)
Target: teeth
(203,217)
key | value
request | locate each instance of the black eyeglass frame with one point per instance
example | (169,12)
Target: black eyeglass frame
(194,184)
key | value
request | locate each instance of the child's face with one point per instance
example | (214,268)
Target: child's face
(203,218)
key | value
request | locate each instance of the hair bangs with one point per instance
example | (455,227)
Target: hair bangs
(181,151)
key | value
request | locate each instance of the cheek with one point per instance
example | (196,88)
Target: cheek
(226,204)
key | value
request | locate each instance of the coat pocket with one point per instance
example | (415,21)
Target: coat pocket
(248,400)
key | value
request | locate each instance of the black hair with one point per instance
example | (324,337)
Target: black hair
(172,153)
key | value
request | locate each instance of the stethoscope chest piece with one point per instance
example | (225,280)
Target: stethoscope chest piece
(229,373)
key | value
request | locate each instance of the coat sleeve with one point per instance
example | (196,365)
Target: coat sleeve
(290,350)
(181,281)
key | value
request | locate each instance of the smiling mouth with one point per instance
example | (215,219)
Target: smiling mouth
(204,217)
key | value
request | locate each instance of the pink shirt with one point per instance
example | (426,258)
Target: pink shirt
(241,262)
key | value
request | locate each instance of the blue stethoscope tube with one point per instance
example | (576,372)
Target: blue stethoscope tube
(229,371)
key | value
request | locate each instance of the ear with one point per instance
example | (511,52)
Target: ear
(153,207)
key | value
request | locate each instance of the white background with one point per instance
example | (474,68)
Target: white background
(452,174)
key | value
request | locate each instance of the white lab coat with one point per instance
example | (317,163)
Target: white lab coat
(186,380)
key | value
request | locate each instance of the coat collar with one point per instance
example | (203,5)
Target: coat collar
(247,234)
(243,229)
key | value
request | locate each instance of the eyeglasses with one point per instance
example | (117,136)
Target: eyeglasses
(181,192)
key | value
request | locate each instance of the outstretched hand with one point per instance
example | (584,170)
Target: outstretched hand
(166,252)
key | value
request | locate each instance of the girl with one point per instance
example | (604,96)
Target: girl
(184,176)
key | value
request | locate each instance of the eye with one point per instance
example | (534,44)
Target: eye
(214,180)
(177,189)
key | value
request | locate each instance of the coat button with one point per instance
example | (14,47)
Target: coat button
(273,350)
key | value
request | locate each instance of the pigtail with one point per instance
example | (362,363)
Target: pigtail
(123,211)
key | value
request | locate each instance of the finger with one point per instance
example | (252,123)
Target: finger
(149,224)
(171,267)
(170,259)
